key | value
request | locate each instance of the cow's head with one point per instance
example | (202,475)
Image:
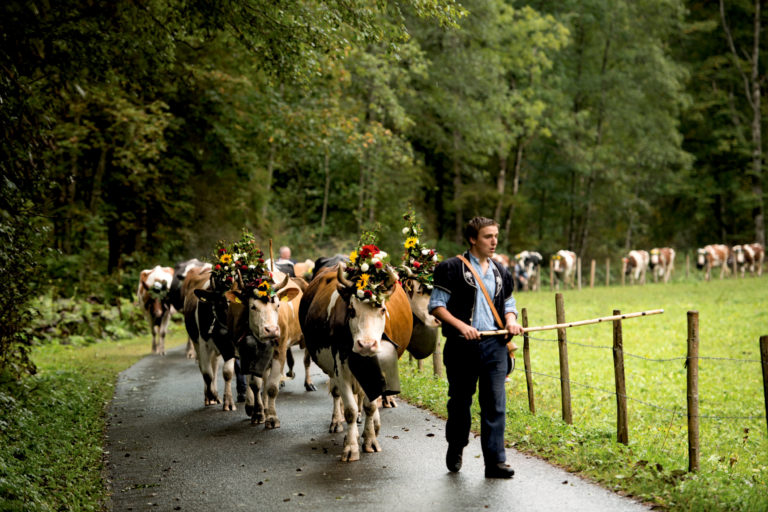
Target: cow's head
(701,258)
(654,257)
(219,305)
(558,265)
(263,301)
(738,253)
(418,297)
(366,318)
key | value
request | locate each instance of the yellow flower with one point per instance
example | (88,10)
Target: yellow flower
(353,256)
(261,293)
(264,285)
(226,259)
(411,242)
(363,281)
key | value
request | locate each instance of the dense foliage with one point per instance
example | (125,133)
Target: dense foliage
(140,132)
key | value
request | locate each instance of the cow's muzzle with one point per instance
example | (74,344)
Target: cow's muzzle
(366,347)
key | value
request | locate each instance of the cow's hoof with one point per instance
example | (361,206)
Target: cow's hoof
(388,402)
(309,386)
(336,427)
(290,374)
(371,445)
(351,454)
(212,401)
(229,406)
(257,419)
(271,423)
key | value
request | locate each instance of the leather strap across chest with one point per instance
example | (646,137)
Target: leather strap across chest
(482,287)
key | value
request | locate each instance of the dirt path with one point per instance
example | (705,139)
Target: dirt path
(169,452)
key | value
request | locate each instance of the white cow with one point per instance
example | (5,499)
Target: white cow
(715,255)
(636,265)
(152,296)
(749,256)
(563,265)
(662,262)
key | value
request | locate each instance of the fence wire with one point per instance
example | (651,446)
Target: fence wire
(659,407)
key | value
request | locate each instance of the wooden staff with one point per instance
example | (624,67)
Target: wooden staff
(271,258)
(576,324)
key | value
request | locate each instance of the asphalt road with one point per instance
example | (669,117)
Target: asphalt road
(167,451)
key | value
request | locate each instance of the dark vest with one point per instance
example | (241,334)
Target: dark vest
(453,276)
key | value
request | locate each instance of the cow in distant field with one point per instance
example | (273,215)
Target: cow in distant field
(356,344)
(152,297)
(530,263)
(176,295)
(563,265)
(636,265)
(662,262)
(503,259)
(325,262)
(710,256)
(749,257)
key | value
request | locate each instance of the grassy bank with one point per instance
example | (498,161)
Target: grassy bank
(52,425)
(734,445)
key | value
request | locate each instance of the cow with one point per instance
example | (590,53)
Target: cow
(662,262)
(176,295)
(749,256)
(530,264)
(710,256)
(636,265)
(152,297)
(502,258)
(303,269)
(355,343)
(325,262)
(563,265)
(290,335)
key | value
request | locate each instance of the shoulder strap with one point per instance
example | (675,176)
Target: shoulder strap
(482,287)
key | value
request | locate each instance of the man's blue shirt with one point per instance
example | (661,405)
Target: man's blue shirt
(482,320)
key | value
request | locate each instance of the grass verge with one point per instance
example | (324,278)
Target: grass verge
(653,467)
(52,424)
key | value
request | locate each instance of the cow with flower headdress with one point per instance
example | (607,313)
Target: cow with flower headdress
(416,275)
(356,323)
(234,312)
(153,297)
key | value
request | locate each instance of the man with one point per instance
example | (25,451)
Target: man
(284,255)
(464,311)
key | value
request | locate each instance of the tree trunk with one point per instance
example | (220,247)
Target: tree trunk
(457,182)
(500,186)
(326,190)
(270,173)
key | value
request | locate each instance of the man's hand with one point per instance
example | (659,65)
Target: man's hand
(468,331)
(513,327)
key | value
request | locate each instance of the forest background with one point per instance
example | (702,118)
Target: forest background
(140,132)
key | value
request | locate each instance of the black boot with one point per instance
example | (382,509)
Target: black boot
(453,458)
(499,470)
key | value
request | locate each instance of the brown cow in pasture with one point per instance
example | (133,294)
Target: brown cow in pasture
(662,262)
(749,257)
(563,265)
(636,265)
(711,256)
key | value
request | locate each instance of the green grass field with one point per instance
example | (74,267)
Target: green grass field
(733,314)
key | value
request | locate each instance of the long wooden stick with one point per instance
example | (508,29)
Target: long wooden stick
(271,258)
(576,324)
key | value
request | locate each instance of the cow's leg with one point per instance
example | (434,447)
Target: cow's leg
(289,360)
(155,332)
(256,384)
(337,416)
(372,427)
(308,385)
(228,370)
(351,451)
(163,330)
(273,379)
(207,362)
(191,352)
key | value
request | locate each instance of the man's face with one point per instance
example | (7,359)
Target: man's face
(486,241)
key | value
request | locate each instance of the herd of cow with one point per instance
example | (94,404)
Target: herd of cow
(660,261)
(313,305)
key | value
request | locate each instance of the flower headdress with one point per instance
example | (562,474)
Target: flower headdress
(419,261)
(242,263)
(369,271)
(159,290)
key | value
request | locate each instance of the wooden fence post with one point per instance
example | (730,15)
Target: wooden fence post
(592,275)
(578,270)
(527,361)
(622,432)
(437,357)
(607,272)
(562,344)
(764,361)
(693,391)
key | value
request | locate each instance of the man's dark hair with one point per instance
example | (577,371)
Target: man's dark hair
(474,226)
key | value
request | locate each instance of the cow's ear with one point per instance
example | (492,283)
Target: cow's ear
(287,294)
(205,295)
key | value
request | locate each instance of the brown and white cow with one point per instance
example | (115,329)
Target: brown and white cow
(152,296)
(636,265)
(176,294)
(290,335)
(749,257)
(354,343)
(710,256)
(563,265)
(662,262)
(530,263)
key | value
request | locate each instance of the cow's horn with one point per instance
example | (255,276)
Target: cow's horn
(283,284)
(340,276)
(407,270)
